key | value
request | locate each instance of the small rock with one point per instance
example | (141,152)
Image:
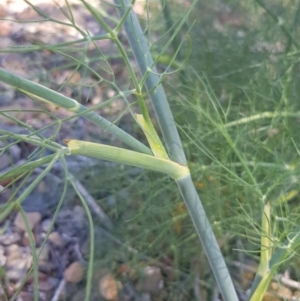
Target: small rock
(26,296)
(85,249)
(5,161)
(56,239)
(79,295)
(25,240)
(41,277)
(79,212)
(15,152)
(108,287)
(43,187)
(13,252)
(281,290)
(74,272)
(43,253)
(46,225)
(33,219)
(46,267)
(48,284)
(5,192)
(151,281)
(72,222)
(2,256)
(9,239)
(17,269)
(43,296)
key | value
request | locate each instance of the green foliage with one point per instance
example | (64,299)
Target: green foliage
(237,110)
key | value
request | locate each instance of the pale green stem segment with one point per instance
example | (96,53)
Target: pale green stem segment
(152,137)
(124,156)
(264,275)
(262,116)
(283,252)
(266,243)
(51,97)
(26,167)
(262,287)
(114,36)
(137,39)
(284,198)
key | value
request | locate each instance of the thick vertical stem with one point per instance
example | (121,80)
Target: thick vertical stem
(164,116)
(157,95)
(207,238)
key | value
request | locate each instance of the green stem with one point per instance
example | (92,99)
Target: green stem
(31,187)
(124,156)
(24,168)
(91,263)
(54,47)
(113,33)
(284,251)
(207,238)
(165,119)
(157,95)
(49,96)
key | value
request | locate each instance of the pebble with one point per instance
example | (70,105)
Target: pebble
(13,252)
(9,239)
(151,280)
(43,253)
(74,272)
(2,256)
(108,287)
(56,239)
(17,269)
(5,161)
(34,219)
(46,225)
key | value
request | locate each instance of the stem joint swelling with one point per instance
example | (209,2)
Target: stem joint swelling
(113,35)
(127,157)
